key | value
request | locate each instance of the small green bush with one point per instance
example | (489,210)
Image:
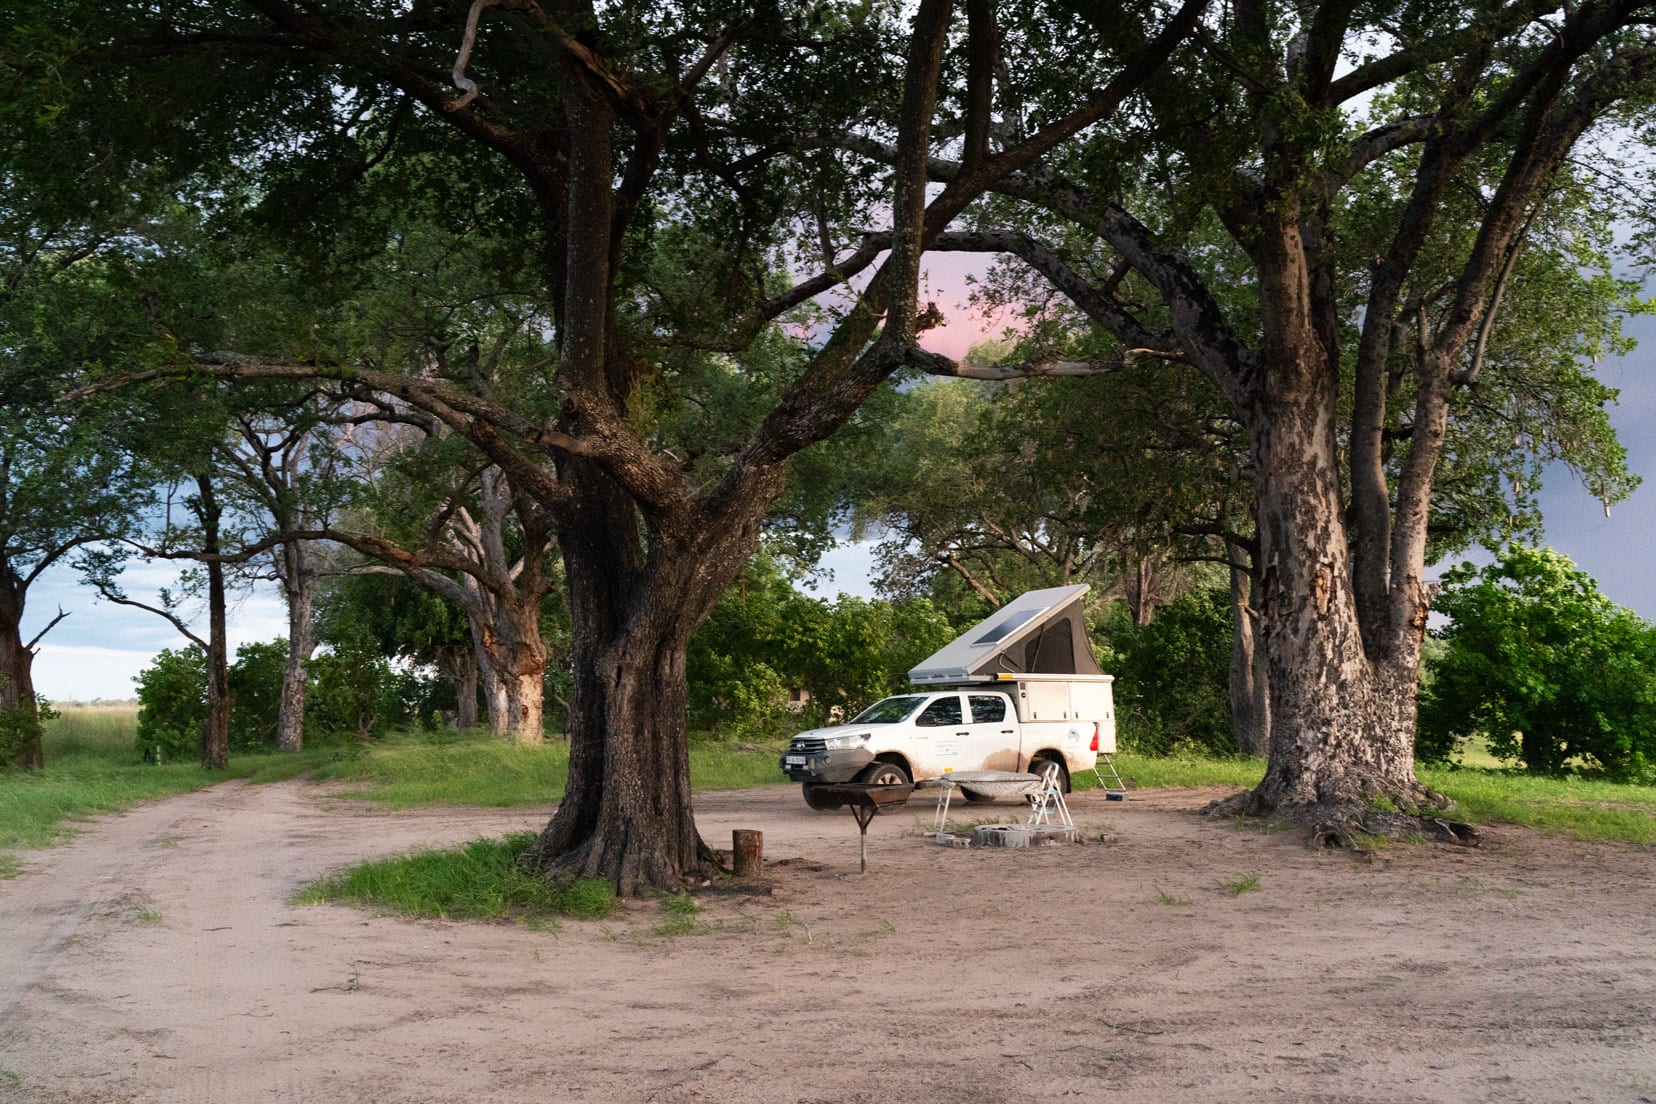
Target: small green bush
(256,694)
(20,734)
(484,879)
(172,704)
(354,690)
(1173,678)
(172,699)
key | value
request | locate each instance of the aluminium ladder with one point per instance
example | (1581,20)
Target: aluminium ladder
(1117,792)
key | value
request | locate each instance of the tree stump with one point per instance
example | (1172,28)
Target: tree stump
(747,852)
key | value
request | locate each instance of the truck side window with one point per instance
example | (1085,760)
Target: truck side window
(942,712)
(987,708)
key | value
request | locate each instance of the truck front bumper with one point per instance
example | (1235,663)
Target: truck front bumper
(826,766)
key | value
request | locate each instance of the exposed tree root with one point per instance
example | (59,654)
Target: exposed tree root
(632,870)
(1353,827)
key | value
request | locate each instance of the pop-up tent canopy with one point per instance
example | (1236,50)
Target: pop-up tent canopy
(1042,632)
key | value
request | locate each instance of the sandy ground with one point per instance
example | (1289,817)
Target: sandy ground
(155,959)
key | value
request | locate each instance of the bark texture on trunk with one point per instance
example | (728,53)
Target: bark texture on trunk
(626,813)
(512,656)
(215,735)
(1337,737)
(509,662)
(1250,700)
(299,587)
(22,747)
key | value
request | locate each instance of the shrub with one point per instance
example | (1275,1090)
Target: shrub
(19,734)
(256,694)
(172,703)
(765,639)
(1173,677)
(354,690)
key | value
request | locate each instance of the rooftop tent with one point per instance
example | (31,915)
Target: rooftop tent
(1042,632)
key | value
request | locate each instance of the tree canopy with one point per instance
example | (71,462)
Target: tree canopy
(1307,241)
(1542,666)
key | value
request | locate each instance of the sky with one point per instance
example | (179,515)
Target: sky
(97,650)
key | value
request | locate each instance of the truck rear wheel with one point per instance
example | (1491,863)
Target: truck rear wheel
(819,804)
(1038,765)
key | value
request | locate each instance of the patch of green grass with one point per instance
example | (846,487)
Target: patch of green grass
(1584,808)
(1165,898)
(92,769)
(481,880)
(1484,793)
(404,771)
(10,866)
(1244,883)
(1152,772)
(478,769)
(680,916)
(7,1077)
(143,914)
(729,766)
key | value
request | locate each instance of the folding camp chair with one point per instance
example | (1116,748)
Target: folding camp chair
(1048,803)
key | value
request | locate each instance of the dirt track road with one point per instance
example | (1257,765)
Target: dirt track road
(155,959)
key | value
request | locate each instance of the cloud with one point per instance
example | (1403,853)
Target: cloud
(80,673)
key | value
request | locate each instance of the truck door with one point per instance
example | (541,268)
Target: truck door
(940,737)
(993,740)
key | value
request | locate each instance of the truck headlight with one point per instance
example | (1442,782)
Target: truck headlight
(841,743)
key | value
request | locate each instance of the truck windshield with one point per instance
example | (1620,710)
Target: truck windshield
(889,710)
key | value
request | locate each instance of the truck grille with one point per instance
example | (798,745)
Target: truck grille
(804,746)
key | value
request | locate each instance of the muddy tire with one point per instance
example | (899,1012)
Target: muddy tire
(884,774)
(819,804)
(1038,765)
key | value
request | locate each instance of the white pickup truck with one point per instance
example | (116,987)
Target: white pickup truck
(1015,723)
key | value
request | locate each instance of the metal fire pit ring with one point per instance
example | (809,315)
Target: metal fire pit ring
(996,783)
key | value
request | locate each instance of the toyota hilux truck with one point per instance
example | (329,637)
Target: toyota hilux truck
(1016,692)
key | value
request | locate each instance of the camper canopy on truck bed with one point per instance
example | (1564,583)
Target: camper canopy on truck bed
(1041,632)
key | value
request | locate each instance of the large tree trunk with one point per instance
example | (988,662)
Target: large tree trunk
(525,705)
(299,586)
(495,712)
(1342,720)
(215,737)
(511,662)
(626,813)
(515,655)
(22,747)
(460,669)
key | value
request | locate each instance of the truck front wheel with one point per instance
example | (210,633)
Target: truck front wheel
(884,774)
(815,802)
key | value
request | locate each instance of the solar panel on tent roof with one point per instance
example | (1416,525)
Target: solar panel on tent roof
(1008,625)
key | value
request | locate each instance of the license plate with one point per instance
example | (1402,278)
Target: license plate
(794,760)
